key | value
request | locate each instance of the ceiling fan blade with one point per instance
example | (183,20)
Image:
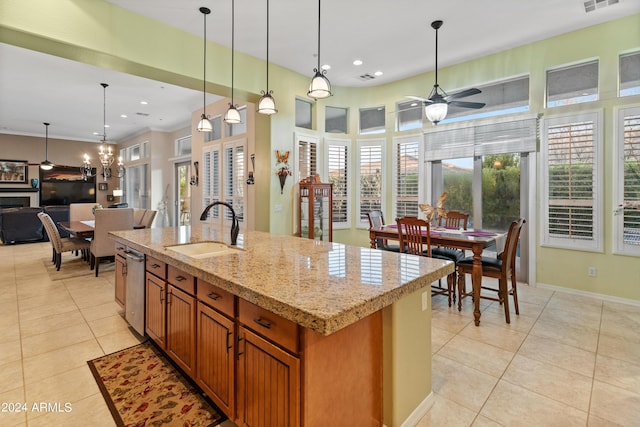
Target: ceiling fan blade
(464,93)
(464,104)
(418,98)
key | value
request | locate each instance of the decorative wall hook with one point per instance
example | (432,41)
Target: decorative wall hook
(194,178)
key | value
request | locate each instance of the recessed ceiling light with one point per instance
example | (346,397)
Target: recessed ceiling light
(143,102)
(96,133)
(378,73)
(326,67)
(357,62)
(106,126)
(124,116)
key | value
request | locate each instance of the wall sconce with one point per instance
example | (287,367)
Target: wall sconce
(194,178)
(251,180)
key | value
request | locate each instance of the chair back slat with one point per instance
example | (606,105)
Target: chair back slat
(413,231)
(454,219)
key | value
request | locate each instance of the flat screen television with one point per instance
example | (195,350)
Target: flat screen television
(64,185)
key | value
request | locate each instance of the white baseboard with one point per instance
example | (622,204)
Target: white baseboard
(421,410)
(602,297)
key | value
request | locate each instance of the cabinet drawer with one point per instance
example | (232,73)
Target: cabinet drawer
(181,280)
(276,328)
(120,248)
(215,297)
(156,267)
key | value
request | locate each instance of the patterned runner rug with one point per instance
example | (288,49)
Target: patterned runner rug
(142,388)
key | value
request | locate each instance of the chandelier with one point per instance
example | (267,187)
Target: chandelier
(105,155)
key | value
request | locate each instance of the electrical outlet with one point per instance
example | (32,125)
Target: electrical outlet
(591,271)
(425,301)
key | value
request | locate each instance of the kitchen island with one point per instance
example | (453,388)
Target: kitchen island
(346,329)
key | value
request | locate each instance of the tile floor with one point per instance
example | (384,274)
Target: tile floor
(566,360)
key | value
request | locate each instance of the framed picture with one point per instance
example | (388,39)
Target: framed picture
(13,172)
(102,186)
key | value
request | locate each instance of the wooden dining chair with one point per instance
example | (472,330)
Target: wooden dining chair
(415,237)
(502,267)
(62,244)
(376,219)
(454,220)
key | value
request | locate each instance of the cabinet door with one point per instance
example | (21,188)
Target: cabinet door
(216,349)
(268,384)
(155,313)
(181,329)
(121,281)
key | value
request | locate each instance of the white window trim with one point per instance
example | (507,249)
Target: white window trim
(345,143)
(379,142)
(596,245)
(619,247)
(422,188)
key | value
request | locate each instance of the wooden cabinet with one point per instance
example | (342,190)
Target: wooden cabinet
(315,215)
(155,315)
(181,328)
(268,383)
(121,280)
(216,357)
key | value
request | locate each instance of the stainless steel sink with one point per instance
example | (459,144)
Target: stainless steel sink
(203,249)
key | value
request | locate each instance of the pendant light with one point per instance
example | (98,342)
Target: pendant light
(232,116)
(204,125)
(320,86)
(46,165)
(267,105)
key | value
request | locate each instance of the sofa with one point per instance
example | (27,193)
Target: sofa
(22,225)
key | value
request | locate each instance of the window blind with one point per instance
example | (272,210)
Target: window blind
(631,177)
(369,178)
(338,170)
(406,178)
(307,158)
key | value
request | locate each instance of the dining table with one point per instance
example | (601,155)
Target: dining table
(81,229)
(475,241)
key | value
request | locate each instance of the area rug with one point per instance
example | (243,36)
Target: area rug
(142,388)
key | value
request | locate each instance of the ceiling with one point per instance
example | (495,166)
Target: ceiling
(392,37)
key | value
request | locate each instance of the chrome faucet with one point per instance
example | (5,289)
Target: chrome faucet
(235,226)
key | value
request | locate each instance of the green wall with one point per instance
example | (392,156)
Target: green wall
(101,34)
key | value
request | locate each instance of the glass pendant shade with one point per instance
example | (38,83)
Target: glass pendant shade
(46,165)
(204,125)
(232,116)
(436,111)
(267,105)
(320,86)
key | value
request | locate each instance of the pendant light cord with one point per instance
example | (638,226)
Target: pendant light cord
(436,58)
(318,35)
(267,47)
(46,141)
(233,31)
(104,112)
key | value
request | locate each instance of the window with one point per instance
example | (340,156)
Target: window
(210,178)
(627,219)
(335,120)
(234,165)
(369,179)
(630,74)
(338,173)
(572,182)
(239,128)
(372,120)
(406,177)
(307,156)
(500,98)
(304,114)
(216,129)
(409,115)
(183,146)
(136,186)
(572,84)
(135,152)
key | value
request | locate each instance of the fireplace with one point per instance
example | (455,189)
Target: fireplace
(14,201)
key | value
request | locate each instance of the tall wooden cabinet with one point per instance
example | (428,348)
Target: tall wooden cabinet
(315,215)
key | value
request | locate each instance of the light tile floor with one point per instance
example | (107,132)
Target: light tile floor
(566,360)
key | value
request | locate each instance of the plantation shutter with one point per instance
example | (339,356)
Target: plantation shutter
(210,178)
(406,178)
(338,169)
(370,178)
(630,170)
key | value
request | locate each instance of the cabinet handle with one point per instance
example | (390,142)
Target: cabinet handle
(262,322)
(228,344)
(180,278)
(213,296)
(154,265)
(161,293)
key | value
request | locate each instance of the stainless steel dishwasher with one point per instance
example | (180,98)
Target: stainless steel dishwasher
(135,294)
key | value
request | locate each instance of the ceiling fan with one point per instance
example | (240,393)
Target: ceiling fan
(437,104)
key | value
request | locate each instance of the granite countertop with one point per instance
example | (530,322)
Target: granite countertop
(318,285)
